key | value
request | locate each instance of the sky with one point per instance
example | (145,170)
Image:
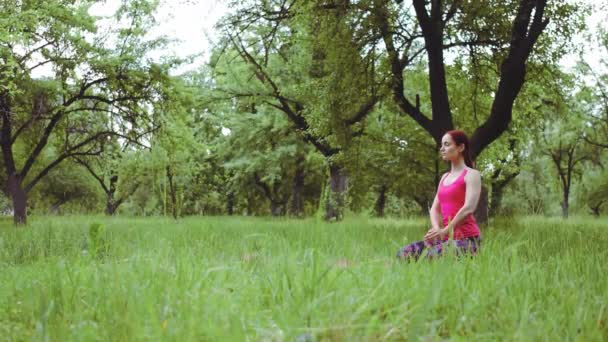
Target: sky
(592,52)
(192,22)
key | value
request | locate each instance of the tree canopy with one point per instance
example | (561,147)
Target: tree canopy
(304,108)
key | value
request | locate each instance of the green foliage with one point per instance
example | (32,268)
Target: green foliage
(592,194)
(263,156)
(397,155)
(534,192)
(98,83)
(301,87)
(66,189)
(5,204)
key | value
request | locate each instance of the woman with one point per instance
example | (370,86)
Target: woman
(454,204)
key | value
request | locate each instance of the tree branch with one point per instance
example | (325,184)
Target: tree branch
(471,43)
(33,51)
(365,109)
(595,143)
(41,143)
(452,11)
(512,74)
(72,151)
(284,103)
(93,173)
(127,195)
(397,66)
(5,135)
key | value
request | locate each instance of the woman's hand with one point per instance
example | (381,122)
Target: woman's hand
(436,233)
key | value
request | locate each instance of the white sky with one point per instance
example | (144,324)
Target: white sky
(189,21)
(192,23)
(592,53)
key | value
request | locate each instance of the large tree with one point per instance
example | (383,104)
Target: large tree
(110,170)
(501,33)
(311,62)
(498,35)
(563,142)
(264,154)
(174,145)
(97,81)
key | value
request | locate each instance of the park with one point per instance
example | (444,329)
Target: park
(303,170)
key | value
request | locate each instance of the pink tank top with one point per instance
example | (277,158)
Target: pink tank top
(451,199)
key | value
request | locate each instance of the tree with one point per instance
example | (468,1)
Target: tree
(309,62)
(533,191)
(564,144)
(65,189)
(502,161)
(392,161)
(566,158)
(99,84)
(263,153)
(598,197)
(482,31)
(174,145)
(110,171)
(593,190)
(202,179)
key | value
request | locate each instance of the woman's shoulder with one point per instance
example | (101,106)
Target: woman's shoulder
(472,173)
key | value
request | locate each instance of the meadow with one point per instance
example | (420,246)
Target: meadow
(87,278)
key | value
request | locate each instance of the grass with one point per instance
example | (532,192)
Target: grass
(221,279)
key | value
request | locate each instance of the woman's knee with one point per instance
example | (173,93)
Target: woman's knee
(413,250)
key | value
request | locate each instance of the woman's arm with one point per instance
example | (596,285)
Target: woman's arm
(473,189)
(435,214)
(435,211)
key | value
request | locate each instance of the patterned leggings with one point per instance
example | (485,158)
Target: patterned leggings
(433,249)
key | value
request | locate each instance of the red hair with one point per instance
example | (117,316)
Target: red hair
(460,138)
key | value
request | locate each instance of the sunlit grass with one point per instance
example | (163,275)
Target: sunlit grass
(259,279)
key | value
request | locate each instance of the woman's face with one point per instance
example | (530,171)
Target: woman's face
(449,150)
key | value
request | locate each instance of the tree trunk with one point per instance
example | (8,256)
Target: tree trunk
(250,207)
(424,204)
(381,201)
(437,175)
(278,203)
(565,202)
(56,207)
(111,204)
(19,197)
(338,183)
(230,203)
(13,182)
(496,196)
(172,192)
(276,208)
(297,200)
(596,210)
(498,186)
(481,212)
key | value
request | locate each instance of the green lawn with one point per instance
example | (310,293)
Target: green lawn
(225,279)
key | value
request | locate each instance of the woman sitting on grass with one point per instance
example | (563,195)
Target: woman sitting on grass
(454,204)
